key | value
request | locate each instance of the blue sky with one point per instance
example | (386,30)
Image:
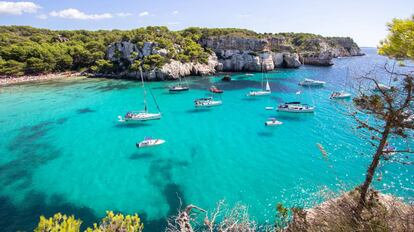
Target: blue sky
(363,20)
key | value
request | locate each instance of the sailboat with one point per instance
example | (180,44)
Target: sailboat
(262,92)
(134,116)
(180,87)
(341,94)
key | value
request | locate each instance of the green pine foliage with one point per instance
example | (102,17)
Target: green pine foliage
(28,50)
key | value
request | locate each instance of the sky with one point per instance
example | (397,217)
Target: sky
(363,20)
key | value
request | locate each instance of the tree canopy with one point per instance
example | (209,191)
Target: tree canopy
(399,43)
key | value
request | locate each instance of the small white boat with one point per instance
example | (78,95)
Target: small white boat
(266,91)
(249,74)
(310,82)
(382,87)
(139,116)
(298,92)
(144,115)
(340,95)
(178,88)
(269,108)
(389,150)
(295,107)
(258,93)
(207,102)
(273,122)
(149,142)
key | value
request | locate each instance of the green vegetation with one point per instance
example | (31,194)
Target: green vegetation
(111,223)
(400,40)
(27,50)
(57,223)
(32,51)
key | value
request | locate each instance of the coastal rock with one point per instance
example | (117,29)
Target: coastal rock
(147,48)
(175,69)
(321,59)
(291,60)
(233,53)
(277,59)
(122,50)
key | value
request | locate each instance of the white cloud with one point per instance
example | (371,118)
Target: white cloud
(18,8)
(142,14)
(77,14)
(41,16)
(175,12)
(123,14)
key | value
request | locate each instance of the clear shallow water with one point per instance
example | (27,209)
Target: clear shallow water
(62,149)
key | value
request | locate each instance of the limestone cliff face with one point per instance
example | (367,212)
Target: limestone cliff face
(237,54)
(250,54)
(124,53)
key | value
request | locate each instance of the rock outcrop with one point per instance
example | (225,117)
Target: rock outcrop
(124,53)
(122,50)
(250,54)
(233,53)
(254,54)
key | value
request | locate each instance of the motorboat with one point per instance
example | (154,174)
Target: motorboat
(249,74)
(178,88)
(149,142)
(273,122)
(269,108)
(144,115)
(382,87)
(340,95)
(311,82)
(295,107)
(207,102)
(214,89)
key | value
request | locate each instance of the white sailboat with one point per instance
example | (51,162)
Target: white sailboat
(342,94)
(266,91)
(180,87)
(144,115)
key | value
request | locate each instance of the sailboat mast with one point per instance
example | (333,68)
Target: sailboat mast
(145,92)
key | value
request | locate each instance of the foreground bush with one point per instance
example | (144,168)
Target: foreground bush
(57,223)
(111,223)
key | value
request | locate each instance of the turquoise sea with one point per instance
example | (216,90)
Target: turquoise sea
(62,149)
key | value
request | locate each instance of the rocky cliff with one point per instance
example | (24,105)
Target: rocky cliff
(124,53)
(253,54)
(234,53)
